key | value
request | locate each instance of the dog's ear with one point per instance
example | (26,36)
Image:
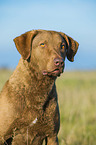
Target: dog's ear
(24,43)
(72,46)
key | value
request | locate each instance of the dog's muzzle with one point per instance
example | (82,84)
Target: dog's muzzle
(59,67)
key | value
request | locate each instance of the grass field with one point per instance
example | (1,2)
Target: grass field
(77,103)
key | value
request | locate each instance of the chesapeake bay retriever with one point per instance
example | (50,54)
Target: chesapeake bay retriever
(29,111)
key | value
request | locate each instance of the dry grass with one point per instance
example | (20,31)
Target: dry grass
(77,101)
(4,76)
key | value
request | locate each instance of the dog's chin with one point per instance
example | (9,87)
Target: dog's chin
(54,73)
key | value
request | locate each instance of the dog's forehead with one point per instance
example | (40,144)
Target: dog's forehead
(48,36)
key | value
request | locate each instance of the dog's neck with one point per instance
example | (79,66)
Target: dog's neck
(30,82)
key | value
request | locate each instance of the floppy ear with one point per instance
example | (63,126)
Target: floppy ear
(72,46)
(24,42)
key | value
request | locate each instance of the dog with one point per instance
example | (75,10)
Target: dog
(29,112)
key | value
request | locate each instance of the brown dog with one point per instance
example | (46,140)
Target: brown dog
(29,110)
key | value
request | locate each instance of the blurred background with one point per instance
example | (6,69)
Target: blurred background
(76,18)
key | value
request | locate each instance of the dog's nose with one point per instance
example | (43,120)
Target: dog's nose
(59,62)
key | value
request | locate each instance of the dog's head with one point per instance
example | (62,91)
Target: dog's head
(46,50)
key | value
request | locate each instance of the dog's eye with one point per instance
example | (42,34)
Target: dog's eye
(42,45)
(62,46)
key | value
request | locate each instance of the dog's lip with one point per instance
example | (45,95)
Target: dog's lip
(55,71)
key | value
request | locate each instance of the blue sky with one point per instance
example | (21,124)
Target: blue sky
(77,18)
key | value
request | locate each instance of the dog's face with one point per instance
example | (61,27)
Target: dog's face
(46,50)
(49,51)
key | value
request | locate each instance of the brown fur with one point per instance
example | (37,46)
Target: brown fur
(29,111)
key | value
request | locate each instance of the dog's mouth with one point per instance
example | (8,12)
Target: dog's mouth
(56,72)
